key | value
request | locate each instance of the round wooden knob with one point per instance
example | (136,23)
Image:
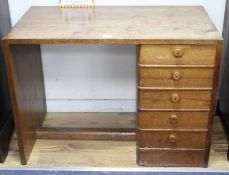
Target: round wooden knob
(178,53)
(176,75)
(172,138)
(173,119)
(175,98)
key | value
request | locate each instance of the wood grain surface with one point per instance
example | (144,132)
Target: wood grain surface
(129,25)
(175,77)
(92,126)
(159,157)
(26,83)
(162,87)
(162,99)
(172,120)
(90,119)
(67,133)
(164,55)
(172,139)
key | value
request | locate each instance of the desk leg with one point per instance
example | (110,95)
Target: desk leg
(26,83)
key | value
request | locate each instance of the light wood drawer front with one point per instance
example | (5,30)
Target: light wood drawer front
(172,139)
(169,54)
(172,120)
(175,77)
(172,158)
(172,99)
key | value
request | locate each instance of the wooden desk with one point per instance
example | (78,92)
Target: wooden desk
(178,64)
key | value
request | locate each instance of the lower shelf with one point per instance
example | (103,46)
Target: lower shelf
(88,126)
(99,153)
(90,120)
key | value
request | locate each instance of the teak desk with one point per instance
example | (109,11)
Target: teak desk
(178,64)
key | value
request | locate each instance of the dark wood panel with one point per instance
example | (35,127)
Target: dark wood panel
(224,73)
(6,120)
(5,135)
(160,157)
(86,133)
(25,76)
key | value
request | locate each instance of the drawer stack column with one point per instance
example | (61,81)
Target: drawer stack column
(175,85)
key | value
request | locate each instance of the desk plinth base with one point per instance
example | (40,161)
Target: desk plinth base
(88,126)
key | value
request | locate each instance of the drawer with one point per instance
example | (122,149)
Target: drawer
(170,158)
(172,139)
(177,54)
(173,120)
(175,77)
(174,99)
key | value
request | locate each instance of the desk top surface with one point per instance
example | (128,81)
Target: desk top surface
(117,25)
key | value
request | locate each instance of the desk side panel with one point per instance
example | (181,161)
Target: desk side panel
(26,83)
(218,55)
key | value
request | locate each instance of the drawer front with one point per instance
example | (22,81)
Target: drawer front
(172,139)
(175,77)
(177,54)
(171,158)
(172,99)
(172,120)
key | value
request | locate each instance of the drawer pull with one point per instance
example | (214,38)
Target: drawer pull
(175,98)
(176,75)
(178,53)
(172,138)
(173,119)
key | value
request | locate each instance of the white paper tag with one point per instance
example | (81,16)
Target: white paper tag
(107,36)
